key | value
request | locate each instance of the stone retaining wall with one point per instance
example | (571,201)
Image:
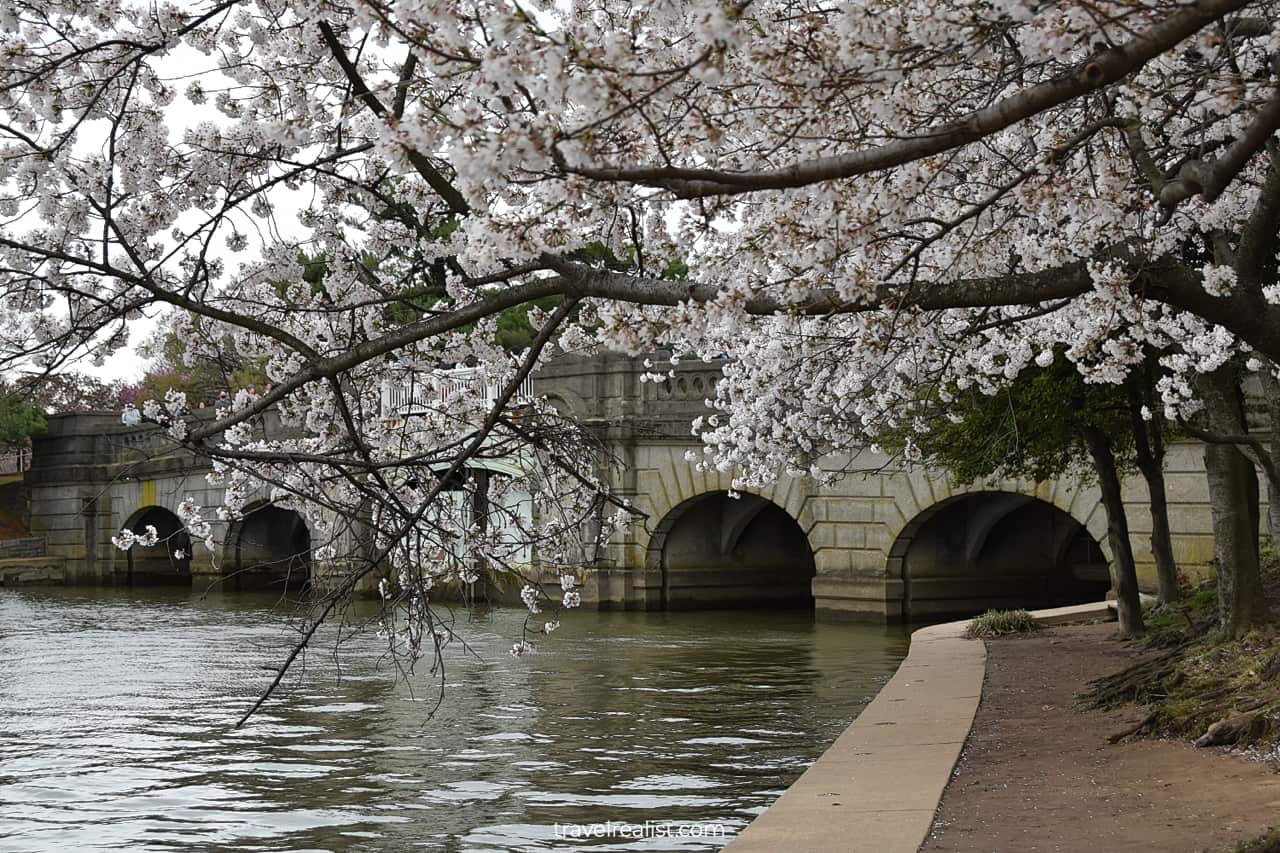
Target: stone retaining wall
(31,546)
(32,571)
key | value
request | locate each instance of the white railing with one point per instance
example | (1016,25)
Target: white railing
(407,392)
(15,461)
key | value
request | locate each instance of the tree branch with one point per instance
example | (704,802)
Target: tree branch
(1209,178)
(1103,68)
(477,441)
(424,167)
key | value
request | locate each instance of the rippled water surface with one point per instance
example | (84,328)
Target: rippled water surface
(117,712)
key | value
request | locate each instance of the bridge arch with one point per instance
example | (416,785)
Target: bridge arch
(566,402)
(716,550)
(267,547)
(169,560)
(998,548)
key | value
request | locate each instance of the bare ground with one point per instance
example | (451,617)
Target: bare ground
(1038,775)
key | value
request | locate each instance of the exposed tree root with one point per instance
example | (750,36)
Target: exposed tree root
(1196,685)
(1139,683)
(1137,728)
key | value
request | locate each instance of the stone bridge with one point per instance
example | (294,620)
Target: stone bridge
(888,544)
(92,477)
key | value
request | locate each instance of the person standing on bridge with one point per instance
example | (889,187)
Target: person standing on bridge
(130,416)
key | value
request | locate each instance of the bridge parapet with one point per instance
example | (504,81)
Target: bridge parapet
(607,390)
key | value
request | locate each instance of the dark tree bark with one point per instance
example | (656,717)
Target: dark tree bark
(1233,495)
(1233,503)
(1273,513)
(1148,444)
(1129,605)
(1271,393)
(482,590)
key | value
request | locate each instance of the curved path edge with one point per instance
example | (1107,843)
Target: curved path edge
(877,787)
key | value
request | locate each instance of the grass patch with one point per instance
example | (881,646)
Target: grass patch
(1216,679)
(1171,624)
(998,623)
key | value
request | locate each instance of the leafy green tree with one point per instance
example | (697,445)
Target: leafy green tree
(1047,423)
(1033,429)
(19,420)
(515,332)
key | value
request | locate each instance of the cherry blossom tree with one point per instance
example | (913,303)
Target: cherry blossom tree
(846,198)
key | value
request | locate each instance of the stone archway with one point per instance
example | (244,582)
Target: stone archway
(268,547)
(169,560)
(717,551)
(565,402)
(990,549)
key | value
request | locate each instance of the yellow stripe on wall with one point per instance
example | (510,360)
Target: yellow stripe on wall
(148,492)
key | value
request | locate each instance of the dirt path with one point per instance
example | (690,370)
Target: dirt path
(1038,775)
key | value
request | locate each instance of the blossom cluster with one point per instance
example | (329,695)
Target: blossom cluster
(126,539)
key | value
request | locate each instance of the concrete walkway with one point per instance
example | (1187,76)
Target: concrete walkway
(877,787)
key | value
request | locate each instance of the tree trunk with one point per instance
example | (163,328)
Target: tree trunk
(1128,604)
(1233,503)
(1148,446)
(1233,497)
(1271,393)
(483,589)
(1273,513)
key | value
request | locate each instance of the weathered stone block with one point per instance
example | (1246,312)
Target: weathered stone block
(848,510)
(852,598)
(822,535)
(851,535)
(1190,519)
(831,561)
(1183,487)
(867,559)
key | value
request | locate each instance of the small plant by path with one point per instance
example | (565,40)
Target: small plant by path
(998,623)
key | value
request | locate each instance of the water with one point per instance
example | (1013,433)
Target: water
(117,712)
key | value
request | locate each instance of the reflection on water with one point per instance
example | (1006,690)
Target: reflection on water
(116,710)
